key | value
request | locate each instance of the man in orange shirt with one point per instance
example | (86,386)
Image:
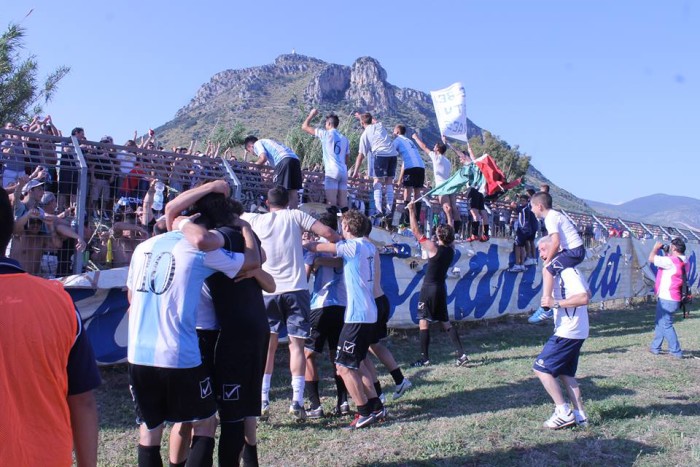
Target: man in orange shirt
(47,368)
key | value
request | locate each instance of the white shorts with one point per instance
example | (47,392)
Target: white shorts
(339,184)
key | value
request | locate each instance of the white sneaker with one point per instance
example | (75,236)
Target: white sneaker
(557,421)
(402,388)
(517,268)
(382,398)
(530,262)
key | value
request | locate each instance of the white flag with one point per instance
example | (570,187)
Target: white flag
(451,111)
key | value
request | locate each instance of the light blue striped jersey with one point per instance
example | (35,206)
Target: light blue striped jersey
(328,286)
(335,147)
(408,151)
(358,269)
(165,280)
(275,151)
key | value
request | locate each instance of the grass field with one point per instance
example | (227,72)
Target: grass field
(644,409)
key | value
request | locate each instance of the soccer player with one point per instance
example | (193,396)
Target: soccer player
(231,325)
(288,307)
(286,163)
(166,376)
(565,249)
(432,302)
(335,148)
(559,357)
(377,146)
(441,170)
(412,174)
(360,316)
(377,346)
(328,302)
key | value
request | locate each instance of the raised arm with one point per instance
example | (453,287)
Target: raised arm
(306,126)
(188,198)
(326,232)
(424,241)
(420,143)
(461,154)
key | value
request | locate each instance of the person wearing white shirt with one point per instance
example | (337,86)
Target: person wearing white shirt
(560,355)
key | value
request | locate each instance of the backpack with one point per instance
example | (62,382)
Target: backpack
(686,293)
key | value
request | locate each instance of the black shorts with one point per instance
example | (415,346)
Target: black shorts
(383,309)
(289,311)
(432,303)
(207,347)
(238,377)
(566,259)
(384,167)
(326,324)
(476,200)
(413,177)
(521,238)
(288,174)
(354,342)
(171,394)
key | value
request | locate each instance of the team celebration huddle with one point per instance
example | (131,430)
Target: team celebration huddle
(211,298)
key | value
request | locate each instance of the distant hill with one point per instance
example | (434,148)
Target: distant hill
(271,99)
(654,209)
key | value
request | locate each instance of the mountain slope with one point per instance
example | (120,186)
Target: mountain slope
(654,209)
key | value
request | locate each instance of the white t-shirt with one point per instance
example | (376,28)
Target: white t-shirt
(127,160)
(280,233)
(571,323)
(441,167)
(556,222)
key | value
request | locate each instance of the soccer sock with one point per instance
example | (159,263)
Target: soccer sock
(375,403)
(377,191)
(266,387)
(149,456)
(458,227)
(397,374)
(312,391)
(298,389)
(202,451)
(378,387)
(250,455)
(418,206)
(364,410)
(341,390)
(231,442)
(563,409)
(424,343)
(454,337)
(486,229)
(389,197)
(475,228)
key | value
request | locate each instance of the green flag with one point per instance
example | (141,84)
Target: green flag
(467,175)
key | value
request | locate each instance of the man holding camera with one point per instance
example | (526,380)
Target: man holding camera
(669,280)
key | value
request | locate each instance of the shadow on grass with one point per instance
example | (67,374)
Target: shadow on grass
(582,451)
(524,393)
(623,411)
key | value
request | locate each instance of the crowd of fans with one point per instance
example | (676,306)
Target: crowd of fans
(128,186)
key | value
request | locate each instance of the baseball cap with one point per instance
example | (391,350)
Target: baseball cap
(31,184)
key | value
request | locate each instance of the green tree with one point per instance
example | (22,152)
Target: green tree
(21,94)
(230,137)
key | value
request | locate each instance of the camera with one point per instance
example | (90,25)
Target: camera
(666,248)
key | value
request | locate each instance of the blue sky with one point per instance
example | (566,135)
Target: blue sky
(603,95)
